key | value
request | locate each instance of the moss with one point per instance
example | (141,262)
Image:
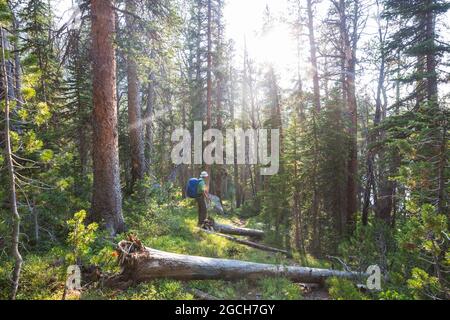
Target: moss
(279,289)
(343,289)
(170,227)
(39,279)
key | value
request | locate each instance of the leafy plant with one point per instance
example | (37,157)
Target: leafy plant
(80,236)
(343,289)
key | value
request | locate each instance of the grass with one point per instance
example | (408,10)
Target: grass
(169,227)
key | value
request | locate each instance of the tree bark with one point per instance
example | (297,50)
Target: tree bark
(431,63)
(315,245)
(237,187)
(352,161)
(297,213)
(443,163)
(148,119)
(209,68)
(140,264)
(348,52)
(134,109)
(209,78)
(17,63)
(219,169)
(373,138)
(107,196)
(12,177)
(313,56)
(317,107)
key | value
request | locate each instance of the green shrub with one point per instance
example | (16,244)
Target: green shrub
(39,280)
(5,276)
(80,237)
(424,243)
(279,289)
(424,286)
(157,290)
(392,295)
(343,289)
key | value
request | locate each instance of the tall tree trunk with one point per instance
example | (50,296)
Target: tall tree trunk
(353,155)
(219,168)
(315,201)
(316,89)
(253,169)
(17,64)
(209,69)
(440,136)
(299,45)
(220,83)
(148,120)
(373,138)
(348,51)
(135,126)
(184,167)
(107,196)
(313,55)
(443,163)
(209,76)
(432,81)
(12,176)
(299,238)
(232,116)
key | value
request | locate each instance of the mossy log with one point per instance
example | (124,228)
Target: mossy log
(141,264)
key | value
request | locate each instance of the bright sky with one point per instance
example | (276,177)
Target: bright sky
(244,24)
(244,21)
(244,18)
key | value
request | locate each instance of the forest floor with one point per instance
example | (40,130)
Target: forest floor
(172,227)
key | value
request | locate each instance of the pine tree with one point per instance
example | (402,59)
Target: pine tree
(421,130)
(107,195)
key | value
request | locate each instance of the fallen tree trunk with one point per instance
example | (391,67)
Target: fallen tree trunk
(223,228)
(141,264)
(249,243)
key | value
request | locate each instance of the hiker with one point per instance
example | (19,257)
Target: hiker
(198,190)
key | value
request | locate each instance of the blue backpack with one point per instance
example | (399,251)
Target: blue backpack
(191,189)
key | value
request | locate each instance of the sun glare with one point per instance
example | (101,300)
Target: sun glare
(276,46)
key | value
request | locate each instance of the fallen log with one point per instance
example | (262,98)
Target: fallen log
(141,264)
(249,243)
(223,228)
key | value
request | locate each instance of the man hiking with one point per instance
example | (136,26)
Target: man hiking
(198,190)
